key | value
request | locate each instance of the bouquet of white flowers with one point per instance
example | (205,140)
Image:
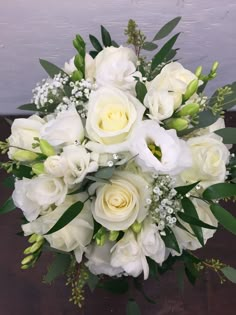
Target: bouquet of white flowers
(121,169)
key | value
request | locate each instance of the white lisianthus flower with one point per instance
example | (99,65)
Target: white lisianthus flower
(189,241)
(70,67)
(55,165)
(151,242)
(160,104)
(99,260)
(127,254)
(116,67)
(174,154)
(173,78)
(119,204)
(23,132)
(112,115)
(209,156)
(76,235)
(64,129)
(78,164)
(33,196)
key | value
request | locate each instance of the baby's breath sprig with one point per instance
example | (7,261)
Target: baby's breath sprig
(77,277)
(135,36)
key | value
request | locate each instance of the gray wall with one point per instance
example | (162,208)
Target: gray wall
(31,29)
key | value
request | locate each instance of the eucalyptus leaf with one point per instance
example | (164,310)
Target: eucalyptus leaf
(50,68)
(58,267)
(228,134)
(220,191)
(92,281)
(229,273)
(95,42)
(105,172)
(71,213)
(193,221)
(167,28)
(106,37)
(224,217)
(132,308)
(141,91)
(8,206)
(183,190)
(163,52)
(150,46)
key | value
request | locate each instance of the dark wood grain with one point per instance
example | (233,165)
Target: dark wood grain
(23,293)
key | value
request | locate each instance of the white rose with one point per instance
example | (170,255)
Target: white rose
(55,165)
(174,154)
(118,205)
(33,196)
(76,235)
(151,242)
(112,115)
(116,67)
(173,78)
(209,156)
(99,260)
(160,104)
(78,164)
(70,67)
(23,132)
(66,128)
(189,241)
(127,254)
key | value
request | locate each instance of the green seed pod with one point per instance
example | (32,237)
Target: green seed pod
(215,66)
(198,71)
(136,227)
(191,89)
(46,148)
(27,260)
(24,156)
(77,76)
(188,110)
(177,123)
(113,235)
(38,168)
(32,238)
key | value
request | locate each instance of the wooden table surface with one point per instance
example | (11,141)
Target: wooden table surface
(23,293)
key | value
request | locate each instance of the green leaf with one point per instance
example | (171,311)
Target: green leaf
(8,206)
(183,190)
(92,281)
(58,267)
(220,191)
(116,286)
(229,273)
(224,217)
(228,134)
(153,271)
(93,53)
(191,272)
(190,209)
(163,52)
(50,68)
(114,44)
(95,42)
(167,28)
(29,107)
(9,182)
(132,308)
(22,171)
(71,213)
(97,179)
(170,240)
(171,54)
(139,286)
(180,278)
(106,37)
(150,46)
(191,220)
(141,91)
(105,172)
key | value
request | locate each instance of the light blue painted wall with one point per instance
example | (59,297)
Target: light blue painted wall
(45,28)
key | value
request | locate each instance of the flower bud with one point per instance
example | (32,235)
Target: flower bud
(46,148)
(177,123)
(36,246)
(27,260)
(27,251)
(80,40)
(39,238)
(32,238)
(79,62)
(38,168)
(77,76)
(101,240)
(136,227)
(113,235)
(191,89)
(198,71)
(214,66)
(24,267)
(24,156)
(188,110)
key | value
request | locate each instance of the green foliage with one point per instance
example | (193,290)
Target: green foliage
(29,107)
(106,37)
(95,42)
(167,28)
(116,286)
(183,190)
(150,46)
(71,213)
(8,206)
(228,134)
(92,281)
(58,267)
(105,172)
(135,36)
(229,273)
(50,68)
(170,240)
(224,217)
(194,221)
(141,91)
(139,287)
(220,191)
